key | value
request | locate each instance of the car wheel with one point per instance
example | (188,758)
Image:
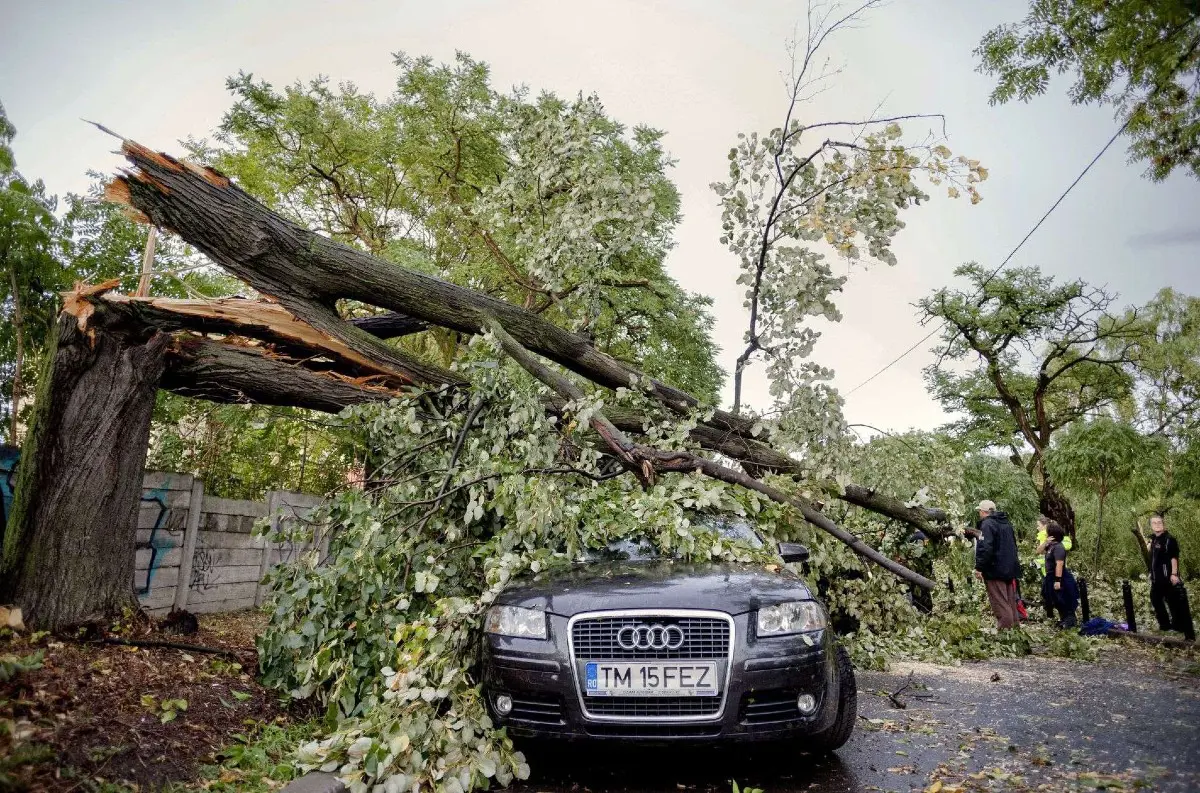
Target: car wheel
(836,735)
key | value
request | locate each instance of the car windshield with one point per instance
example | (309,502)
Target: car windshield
(731,527)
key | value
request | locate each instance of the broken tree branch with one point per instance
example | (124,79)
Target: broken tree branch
(223,372)
(276,326)
(621,446)
(308,273)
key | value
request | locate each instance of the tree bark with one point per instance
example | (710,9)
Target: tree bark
(390,326)
(69,547)
(308,273)
(278,328)
(1143,546)
(1055,506)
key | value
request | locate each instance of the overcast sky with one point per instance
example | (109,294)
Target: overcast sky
(701,71)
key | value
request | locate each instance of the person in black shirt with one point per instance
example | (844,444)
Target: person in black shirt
(1167,593)
(1059,589)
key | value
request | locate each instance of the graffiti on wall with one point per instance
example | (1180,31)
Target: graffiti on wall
(203,563)
(158,544)
(8,474)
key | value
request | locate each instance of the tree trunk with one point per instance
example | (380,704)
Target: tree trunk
(1099,528)
(1055,506)
(1143,546)
(19,328)
(69,548)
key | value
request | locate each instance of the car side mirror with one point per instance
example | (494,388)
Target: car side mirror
(793,552)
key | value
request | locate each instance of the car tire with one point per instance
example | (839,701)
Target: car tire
(836,735)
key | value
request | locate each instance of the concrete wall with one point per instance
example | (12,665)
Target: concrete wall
(197,552)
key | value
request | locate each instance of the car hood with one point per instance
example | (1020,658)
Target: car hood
(669,584)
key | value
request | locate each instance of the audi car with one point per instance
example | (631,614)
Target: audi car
(628,645)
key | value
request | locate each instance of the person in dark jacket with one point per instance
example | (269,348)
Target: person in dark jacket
(1167,593)
(997,563)
(1059,589)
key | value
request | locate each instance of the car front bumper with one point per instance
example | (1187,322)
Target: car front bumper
(765,678)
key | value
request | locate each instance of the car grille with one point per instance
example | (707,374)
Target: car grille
(653,707)
(535,709)
(705,638)
(595,639)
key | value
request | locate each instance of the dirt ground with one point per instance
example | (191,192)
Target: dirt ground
(95,713)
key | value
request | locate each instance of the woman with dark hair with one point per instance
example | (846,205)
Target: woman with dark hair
(1058,587)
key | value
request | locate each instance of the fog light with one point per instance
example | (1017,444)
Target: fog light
(806,703)
(503,703)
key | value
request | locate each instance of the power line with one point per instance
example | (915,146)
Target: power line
(1007,258)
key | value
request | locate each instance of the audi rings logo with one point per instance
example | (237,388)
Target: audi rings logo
(650,637)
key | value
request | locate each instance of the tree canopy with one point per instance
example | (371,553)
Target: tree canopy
(1100,455)
(545,202)
(30,270)
(1044,355)
(1141,56)
(1167,375)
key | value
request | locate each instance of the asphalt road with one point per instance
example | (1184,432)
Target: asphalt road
(1126,722)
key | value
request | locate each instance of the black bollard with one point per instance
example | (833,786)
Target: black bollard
(1083,601)
(1127,596)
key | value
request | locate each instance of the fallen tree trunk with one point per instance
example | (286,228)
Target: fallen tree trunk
(274,325)
(308,273)
(1140,539)
(68,548)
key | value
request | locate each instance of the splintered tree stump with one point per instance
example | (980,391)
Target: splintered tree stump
(68,549)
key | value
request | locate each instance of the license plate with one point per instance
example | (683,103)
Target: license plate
(651,679)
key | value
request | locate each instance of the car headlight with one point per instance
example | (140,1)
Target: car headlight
(516,621)
(798,617)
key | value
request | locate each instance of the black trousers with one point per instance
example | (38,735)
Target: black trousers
(1171,608)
